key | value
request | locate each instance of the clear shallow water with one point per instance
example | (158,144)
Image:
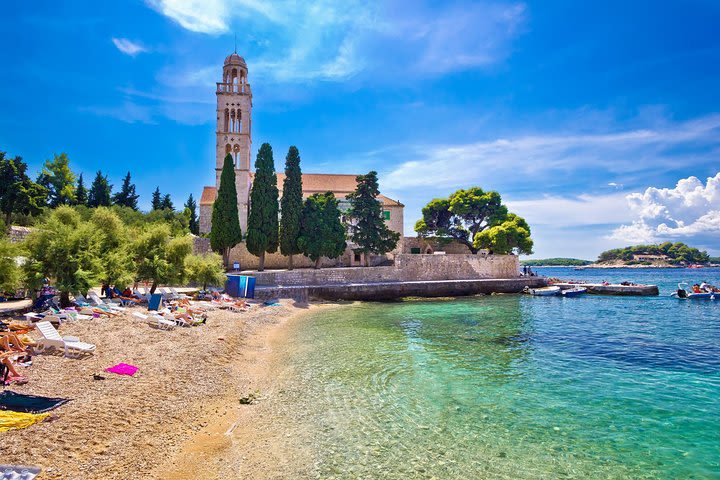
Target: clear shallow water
(509,387)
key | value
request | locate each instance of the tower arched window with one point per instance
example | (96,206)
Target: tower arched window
(227,120)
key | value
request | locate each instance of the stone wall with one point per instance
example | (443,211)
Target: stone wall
(431,245)
(18,234)
(407,268)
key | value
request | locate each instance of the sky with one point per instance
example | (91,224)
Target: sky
(599,122)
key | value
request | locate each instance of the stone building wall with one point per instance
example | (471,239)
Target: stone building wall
(431,245)
(407,268)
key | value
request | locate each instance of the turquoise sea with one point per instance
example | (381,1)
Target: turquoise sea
(510,386)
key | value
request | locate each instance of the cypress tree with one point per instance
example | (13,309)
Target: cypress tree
(225,229)
(367,228)
(156,199)
(191,207)
(81,193)
(166,203)
(262,234)
(126,197)
(291,205)
(100,191)
(321,232)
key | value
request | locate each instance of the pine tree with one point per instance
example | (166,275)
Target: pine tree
(126,197)
(321,232)
(291,206)
(191,207)
(18,194)
(225,229)
(156,199)
(59,180)
(100,191)
(367,228)
(262,234)
(166,203)
(81,193)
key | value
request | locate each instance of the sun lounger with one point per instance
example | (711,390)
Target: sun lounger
(51,339)
(156,321)
(155,301)
(99,302)
(178,295)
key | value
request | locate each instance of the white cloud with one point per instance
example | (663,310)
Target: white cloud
(128,47)
(690,210)
(541,156)
(334,40)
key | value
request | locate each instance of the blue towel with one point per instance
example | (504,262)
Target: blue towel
(155,301)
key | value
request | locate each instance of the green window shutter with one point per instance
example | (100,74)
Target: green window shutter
(386,215)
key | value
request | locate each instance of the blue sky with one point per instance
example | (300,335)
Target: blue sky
(597,121)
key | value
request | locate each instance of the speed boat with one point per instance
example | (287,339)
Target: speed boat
(543,291)
(574,292)
(685,294)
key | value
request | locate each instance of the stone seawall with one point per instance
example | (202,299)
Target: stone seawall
(407,268)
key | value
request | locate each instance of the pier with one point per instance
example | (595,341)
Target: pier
(614,289)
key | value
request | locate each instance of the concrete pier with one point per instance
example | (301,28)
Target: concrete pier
(614,289)
(394,289)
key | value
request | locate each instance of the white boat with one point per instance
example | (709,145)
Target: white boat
(685,294)
(543,291)
(574,292)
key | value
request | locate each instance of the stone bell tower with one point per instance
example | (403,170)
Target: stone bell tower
(233,133)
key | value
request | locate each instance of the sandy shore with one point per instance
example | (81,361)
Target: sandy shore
(180,417)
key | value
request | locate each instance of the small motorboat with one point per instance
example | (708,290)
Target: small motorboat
(684,294)
(574,292)
(543,291)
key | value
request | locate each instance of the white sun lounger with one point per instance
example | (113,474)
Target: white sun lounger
(109,304)
(51,339)
(156,321)
(178,295)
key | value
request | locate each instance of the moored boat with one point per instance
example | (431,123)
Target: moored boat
(574,292)
(684,294)
(543,291)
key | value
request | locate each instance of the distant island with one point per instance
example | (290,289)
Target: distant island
(666,254)
(555,262)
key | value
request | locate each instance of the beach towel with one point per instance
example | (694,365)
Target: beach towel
(123,369)
(13,420)
(20,402)
(155,301)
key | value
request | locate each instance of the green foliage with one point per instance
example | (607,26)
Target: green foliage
(81,193)
(291,205)
(677,253)
(167,203)
(225,230)
(67,249)
(126,197)
(367,228)
(262,234)
(714,260)
(205,269)
(462,215)
(10,273)
(321,232)
(18,194)
(158,257)
(156,199)
(100,191)
(113,244)
(510,236)
(59,181)
(191,212)
(556,262)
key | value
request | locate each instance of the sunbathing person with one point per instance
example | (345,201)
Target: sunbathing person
(7,360)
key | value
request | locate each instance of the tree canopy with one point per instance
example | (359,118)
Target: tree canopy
(321,232)
(10,273)
(167,203)
(510,236)
(291,205)
(367,228)
(262,234)
(191,209)
(100,191)
(462,216)
(156,199)
(225,230)
(81,193)
(18,194)
(59,181)
(158,257)
(205,269)
(126,197)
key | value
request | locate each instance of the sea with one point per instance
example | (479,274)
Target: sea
(510,386)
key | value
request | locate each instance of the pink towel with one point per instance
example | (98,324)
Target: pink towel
(123,369)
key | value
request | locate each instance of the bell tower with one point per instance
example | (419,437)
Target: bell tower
(233,132)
